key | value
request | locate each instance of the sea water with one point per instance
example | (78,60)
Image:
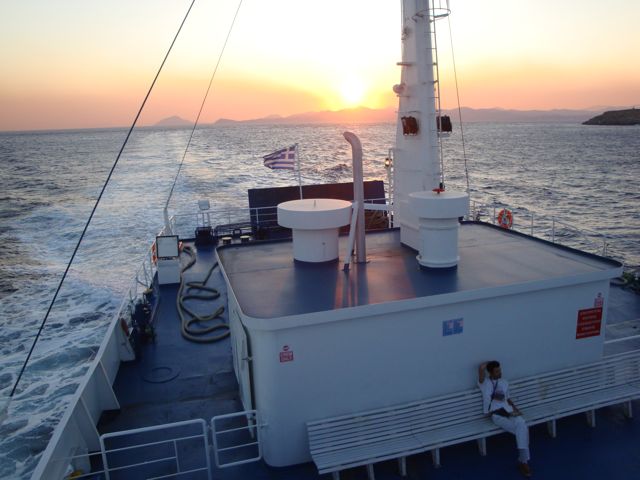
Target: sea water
(551,176)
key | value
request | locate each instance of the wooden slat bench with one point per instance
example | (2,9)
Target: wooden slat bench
(396,432)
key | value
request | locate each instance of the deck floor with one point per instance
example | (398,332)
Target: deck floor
(200,383)
(490,258)
(202,371)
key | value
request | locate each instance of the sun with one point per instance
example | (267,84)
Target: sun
(352,90)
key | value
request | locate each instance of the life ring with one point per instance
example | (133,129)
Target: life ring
(505,218)
(154,256)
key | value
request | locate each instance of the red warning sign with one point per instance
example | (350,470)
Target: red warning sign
(589,322)
(286,355)
(599,300)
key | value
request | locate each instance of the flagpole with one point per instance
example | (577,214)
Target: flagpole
(299,176)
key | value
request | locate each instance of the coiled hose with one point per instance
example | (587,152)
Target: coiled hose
(188,317)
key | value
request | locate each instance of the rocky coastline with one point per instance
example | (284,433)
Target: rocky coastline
(630,116)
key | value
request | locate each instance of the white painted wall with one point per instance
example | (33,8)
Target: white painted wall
(366,361)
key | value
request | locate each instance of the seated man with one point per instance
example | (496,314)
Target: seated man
(503,412)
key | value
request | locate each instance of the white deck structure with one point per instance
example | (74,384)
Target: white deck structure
(324,343)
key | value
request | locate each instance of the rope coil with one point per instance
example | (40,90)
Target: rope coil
(188,318)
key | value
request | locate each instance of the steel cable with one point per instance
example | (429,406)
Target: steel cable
(95,206)
(455,76)
(215,70)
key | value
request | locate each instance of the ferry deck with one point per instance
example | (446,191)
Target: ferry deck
(175,380)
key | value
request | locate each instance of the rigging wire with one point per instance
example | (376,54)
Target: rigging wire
(215,70)
(455,76)
(95,206)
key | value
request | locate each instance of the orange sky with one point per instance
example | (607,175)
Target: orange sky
(78,64)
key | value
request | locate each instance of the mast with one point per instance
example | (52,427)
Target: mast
(416,152)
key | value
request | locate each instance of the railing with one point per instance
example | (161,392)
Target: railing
(183,224)
(173,450)
(378,204)
(142,281)
(549,228)
(170,456)
(221,446)
(162,464)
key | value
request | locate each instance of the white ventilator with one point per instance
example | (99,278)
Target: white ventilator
(315,223)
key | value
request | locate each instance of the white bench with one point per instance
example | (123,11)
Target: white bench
(396,432)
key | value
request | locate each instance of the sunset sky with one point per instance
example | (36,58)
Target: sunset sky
(88,63)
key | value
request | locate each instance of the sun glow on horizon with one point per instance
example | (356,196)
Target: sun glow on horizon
(352,91)
(334,56)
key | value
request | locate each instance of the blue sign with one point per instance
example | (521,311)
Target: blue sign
(452,327)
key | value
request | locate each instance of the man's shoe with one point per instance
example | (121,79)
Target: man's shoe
(524,469)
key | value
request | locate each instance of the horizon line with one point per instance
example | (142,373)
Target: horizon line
(275,116)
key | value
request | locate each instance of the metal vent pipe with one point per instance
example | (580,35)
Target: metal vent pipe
(358,194)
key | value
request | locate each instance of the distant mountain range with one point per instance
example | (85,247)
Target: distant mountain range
(174,121)
(347,115)
(369,115)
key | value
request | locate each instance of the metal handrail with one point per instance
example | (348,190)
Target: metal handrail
(254,425)
(104,452)
(203,434)
(146,270)
(600,246)
(253,215)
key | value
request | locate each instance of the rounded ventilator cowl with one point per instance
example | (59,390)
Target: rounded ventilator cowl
(438,215)
(315,223)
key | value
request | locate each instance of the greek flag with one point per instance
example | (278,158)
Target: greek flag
(281,159)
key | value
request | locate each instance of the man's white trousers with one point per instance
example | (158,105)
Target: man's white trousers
(518,427)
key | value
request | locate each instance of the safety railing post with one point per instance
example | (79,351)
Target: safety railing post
(105,465)
(553,229)
(206,429)
(175,452)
